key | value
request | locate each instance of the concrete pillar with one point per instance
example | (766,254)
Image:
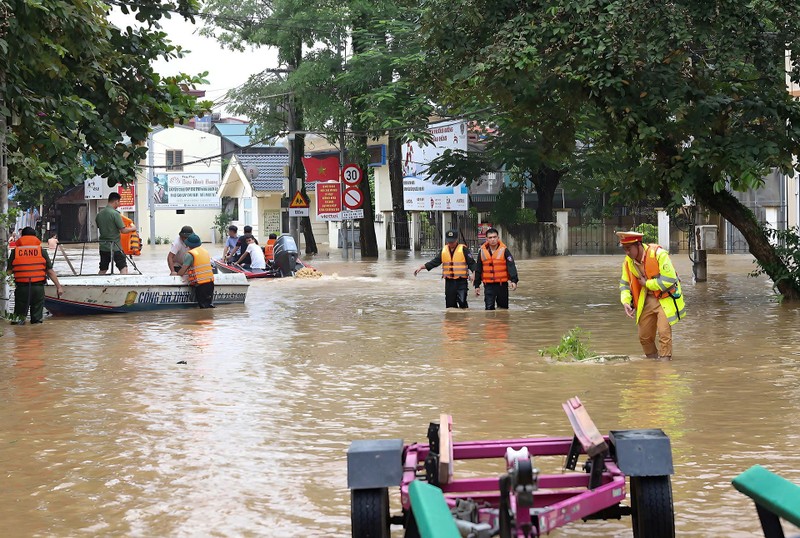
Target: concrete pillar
(415,246)
(562,236)
(663,229)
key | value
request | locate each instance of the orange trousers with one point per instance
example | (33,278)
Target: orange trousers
(652,320)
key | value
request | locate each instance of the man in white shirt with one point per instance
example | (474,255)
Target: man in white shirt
(178,250)
(257,260)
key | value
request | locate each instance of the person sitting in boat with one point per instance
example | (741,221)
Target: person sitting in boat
(257,260)
(242,243)
(231,248)
(197,266)
(178,250)
(270,248)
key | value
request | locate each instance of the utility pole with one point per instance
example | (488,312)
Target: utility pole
(291,124)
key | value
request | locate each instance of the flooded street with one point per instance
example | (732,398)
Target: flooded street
(102,432)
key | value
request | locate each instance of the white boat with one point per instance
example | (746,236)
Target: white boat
(100,294)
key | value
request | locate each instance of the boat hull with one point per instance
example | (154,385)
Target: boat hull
(114,294)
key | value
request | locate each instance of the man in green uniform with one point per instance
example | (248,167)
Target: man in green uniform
(110,225)
(30,264)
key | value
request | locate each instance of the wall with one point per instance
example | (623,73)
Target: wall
(527,241)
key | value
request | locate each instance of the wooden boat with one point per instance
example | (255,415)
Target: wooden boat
(284,263)
(100,294)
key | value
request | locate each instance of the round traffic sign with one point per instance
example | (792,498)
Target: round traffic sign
(352,174)
(353,198)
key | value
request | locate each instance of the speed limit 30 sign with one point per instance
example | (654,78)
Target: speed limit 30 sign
(352,174)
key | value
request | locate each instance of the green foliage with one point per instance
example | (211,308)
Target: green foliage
(83,92)
(788,250)
(570,348)
(507,209)
(221,222)
(650,233)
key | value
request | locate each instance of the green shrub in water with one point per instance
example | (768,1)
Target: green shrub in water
(571,347)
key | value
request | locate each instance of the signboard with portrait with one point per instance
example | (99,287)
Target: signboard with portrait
(186,190)
(420,193)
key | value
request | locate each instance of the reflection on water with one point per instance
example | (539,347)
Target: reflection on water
(103,431)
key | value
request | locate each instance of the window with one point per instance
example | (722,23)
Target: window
(247,204)
(175,159)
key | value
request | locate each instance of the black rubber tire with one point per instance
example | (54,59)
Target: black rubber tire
(652,511)
(369,513)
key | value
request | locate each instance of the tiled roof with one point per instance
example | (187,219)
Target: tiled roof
(270,170)
(236,133)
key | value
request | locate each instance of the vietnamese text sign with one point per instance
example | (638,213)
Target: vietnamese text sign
(329,199)
(186,190)
(272,222)
(97,188)
(298,211)
(420,193)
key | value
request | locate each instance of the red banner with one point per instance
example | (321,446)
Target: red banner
(322,168)
(329,198)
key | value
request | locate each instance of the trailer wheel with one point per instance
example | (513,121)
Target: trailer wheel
(369,513)
(652,511)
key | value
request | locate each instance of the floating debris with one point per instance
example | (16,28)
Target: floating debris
(308,272)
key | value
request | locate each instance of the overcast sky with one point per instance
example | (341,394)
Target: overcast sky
(226,69)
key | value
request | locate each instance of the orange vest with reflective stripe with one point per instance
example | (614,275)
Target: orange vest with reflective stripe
(455,266)
(29,264)
(130,242)
(651,269)
(269,250)
(495,270)
(200,271)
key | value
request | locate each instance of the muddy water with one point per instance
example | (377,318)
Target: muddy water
(102,432)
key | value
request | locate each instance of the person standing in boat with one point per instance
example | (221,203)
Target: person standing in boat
(110,226)
(231,248)
(269,249)
(257,260)
(456,261)
(31,266)
(650,292)
(178,249)
(197,266)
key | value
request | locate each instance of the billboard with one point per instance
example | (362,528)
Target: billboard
(420,193)
(97,188)
(186,190)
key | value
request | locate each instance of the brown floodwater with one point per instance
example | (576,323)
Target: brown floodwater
(103,432)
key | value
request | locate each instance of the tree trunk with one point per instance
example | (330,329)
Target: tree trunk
(299,149)
(399,215)
(743,220)
(5,289)
(545,181)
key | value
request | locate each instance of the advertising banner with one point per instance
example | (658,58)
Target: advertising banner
(97,188)
(186,190)
(420,193)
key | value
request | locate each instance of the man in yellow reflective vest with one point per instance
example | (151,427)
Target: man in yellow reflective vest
(456,261)
(650,291)
(197,265)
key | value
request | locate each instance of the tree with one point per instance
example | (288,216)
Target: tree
(690,97)
(78,95)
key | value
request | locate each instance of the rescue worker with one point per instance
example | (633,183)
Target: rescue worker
(456,261)
(269,249)
(31,266)
(650,291)
(495,267)
(110,226)
(197,266)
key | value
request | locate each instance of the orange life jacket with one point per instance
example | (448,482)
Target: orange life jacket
(495,270)
(200,271)
(651,269)
(29,264)
(454,266)
(269,250)
(130,242)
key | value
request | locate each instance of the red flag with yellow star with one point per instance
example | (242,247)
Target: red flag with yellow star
(322,168)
